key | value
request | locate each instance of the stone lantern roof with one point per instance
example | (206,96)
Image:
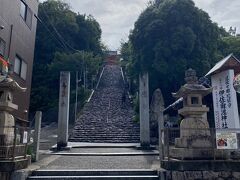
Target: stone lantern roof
(10,84)
(7,87)
(191,86)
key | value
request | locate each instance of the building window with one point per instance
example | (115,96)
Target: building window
(26,13)
(29,17)
(2,47)
(23,10)
(23,70)
(20,67)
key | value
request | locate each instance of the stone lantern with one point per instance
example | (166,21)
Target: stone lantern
(7,122)
(195,136)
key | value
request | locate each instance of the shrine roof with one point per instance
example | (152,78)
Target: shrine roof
(229,62)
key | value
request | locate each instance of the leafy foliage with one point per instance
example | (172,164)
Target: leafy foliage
(59,33)
(229,45)
(169,37)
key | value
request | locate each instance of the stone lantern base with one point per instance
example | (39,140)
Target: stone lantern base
(194,142)
(10,166)
(191,153)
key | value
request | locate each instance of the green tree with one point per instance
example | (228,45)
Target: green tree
(230,44)
(64,41)
(169,37)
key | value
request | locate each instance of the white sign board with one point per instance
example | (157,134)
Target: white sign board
(226,140)
(25,137)
(225,100)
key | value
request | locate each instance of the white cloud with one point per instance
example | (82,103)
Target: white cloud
(117,17)
(225,12)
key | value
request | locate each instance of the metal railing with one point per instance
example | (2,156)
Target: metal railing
(215,143)
(13,142)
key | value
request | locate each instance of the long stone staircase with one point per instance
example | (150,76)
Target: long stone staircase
(105,119)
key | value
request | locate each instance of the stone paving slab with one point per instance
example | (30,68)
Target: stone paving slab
(106,154)
(104,162)
(98,145)
(106,151)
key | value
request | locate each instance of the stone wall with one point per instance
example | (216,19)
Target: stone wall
(5,175)
(197,175)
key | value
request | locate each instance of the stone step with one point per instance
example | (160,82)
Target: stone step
(113,131)
(107,138)
(105,119)
(146,177)
(103,139)
(124,126)
(105,134)
(103,128)
(95,174)
(79,135)
(153,177)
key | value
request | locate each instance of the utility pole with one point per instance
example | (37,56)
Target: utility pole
(78,80)
(76,98)
(84,77)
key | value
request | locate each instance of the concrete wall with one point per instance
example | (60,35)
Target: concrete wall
(22,44)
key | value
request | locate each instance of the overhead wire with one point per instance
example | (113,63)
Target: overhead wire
(60,38)
(59,42)
(58,34)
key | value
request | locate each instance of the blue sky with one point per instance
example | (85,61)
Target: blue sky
(117,17)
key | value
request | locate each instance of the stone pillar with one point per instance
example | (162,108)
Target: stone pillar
(144,110)
(156,111)
(63,114)
(160,124)
(37,133)
(156,116)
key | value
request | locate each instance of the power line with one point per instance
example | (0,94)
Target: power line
(55,30)
(58,34)
(60,43)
